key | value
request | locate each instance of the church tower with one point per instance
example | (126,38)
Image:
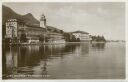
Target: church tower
(43,21)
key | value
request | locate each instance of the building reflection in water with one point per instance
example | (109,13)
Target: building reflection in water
(81,49)
(98,46)
(34,59)
(10,60)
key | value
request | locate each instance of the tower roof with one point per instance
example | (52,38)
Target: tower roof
(42,17)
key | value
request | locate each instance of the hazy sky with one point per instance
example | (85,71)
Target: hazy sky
(97,18)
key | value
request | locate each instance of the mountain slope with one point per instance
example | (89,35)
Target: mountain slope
(29,19)
(8,13)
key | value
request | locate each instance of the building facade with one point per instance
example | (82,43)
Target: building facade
(56,38)
(16,29)
(11,28)
(33,33)
(81,35)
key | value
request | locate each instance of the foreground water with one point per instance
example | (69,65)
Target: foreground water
(65,61)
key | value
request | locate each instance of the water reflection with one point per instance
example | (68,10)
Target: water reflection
(98,46)
(33,59)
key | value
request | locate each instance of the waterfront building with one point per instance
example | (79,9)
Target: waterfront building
(81,35)
(17,28)
(30,33)
(11,28)
(56,38)
(33,33)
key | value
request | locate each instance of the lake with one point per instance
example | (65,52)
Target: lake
(64,61)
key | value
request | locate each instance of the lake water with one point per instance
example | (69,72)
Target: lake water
(65,61)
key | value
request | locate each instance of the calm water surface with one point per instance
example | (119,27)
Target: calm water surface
(65,61)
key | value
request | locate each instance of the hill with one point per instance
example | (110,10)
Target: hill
(8,13)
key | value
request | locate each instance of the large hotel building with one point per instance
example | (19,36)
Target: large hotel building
(15,29)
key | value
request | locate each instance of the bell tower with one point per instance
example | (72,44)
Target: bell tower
(43,21)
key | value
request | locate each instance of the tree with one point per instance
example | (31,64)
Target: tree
(42,38)
(78,40)
(98,38)
(61,31)
(67,36)
(23,38)
(73,38)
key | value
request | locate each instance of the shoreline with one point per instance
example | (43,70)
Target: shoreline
(49,43)
(57,43)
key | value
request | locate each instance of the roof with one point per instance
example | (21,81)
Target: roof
(11,20)
(53,33)
(80,32)
(33,26)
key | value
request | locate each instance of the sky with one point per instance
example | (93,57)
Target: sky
(96,18)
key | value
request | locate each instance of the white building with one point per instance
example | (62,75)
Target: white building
(81,35)
(11,28)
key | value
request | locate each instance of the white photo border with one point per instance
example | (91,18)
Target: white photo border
(65,80)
